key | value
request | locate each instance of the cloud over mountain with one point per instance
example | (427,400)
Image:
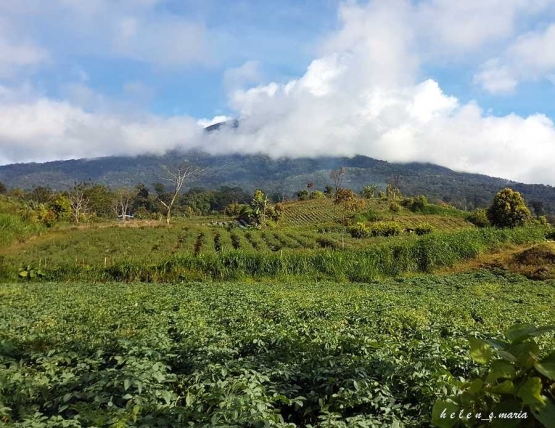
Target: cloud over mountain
(369,92)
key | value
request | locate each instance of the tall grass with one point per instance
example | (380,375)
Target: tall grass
(13,227)
(423,254)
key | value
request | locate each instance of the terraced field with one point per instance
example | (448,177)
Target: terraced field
(324,211)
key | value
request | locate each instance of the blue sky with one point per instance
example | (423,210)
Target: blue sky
(468,85)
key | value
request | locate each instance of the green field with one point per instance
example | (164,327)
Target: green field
(239,354)
(199,323)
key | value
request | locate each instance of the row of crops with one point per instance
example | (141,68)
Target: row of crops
(251,355)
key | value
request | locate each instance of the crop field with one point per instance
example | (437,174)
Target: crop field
(209,253)
(324,211)
(239,354)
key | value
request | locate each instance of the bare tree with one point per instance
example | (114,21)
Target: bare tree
(177,174)
(122,200)
(78,201)
(337,176)
(392,190)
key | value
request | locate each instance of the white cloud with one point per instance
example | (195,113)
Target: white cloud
(247,74)
(35,128)
(203,123)
(530,57)
(16,53)
(459,27)
(365,94)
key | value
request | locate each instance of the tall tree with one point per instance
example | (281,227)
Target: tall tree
(177,174)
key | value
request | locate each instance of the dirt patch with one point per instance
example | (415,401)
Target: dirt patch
(535,262)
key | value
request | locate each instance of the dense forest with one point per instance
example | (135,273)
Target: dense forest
(280,178)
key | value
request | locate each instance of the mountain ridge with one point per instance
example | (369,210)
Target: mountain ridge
(283,176)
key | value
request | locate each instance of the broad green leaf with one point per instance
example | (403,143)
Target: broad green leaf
(476,386)
(445,414)
(498,344)
(500,370)
(547,366)
(545,414)
(519,332)
(531,392)
(480,351)
(126,384)
(506,387)
(508,356)
(544,329)
(526,353)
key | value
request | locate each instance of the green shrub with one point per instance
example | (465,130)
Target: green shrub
(359,230)
(394,207)
(386,228)
(416,204)
(317,194)
(516,381)
(508,209)
(479,217)
(423,229)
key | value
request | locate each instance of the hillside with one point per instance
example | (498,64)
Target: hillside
(280,177)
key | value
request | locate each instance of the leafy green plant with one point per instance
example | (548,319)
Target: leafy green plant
(386,228)
(479,217)
(30,273)
(359,230)
(423,229)
(517,386)
(508,209)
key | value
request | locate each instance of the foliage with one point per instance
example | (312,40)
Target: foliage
(479,217)
(359,230)
(423,229)
(349,202)
(508,209)
(161,254)
(385,228)
(416,204)
(317,194)
(394,207)
(369,191)
(238,354)
(517,382)
(233,209)
(303,195)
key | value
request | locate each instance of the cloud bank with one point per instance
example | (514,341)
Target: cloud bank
(367,93)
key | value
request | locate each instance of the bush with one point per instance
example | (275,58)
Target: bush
(479,217)
(394,207)
(508,209)
(386,228)
(416,204)
(317,195)
(423,229)
(359,230)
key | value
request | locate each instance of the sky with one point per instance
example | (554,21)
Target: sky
(467,85)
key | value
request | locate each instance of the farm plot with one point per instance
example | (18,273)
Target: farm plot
(236,354)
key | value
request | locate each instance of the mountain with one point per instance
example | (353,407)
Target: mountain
(276,176)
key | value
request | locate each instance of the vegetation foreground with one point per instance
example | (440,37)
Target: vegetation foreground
(239,354)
